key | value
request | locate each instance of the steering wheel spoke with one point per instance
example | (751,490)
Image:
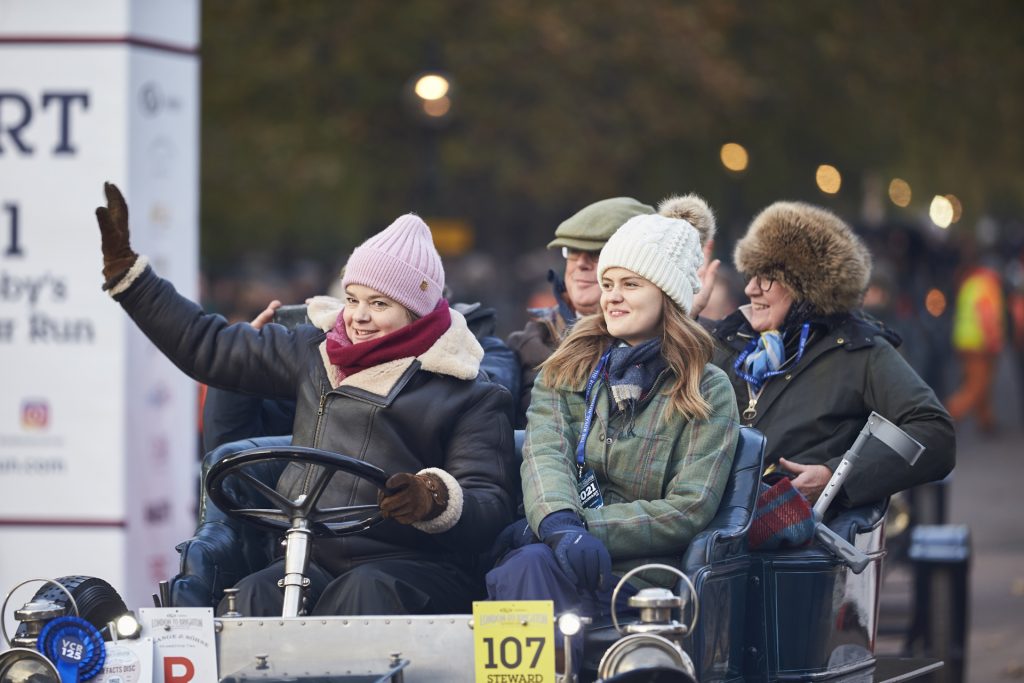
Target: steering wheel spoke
(318,480)
(329,515)
(260,514)
(347,528)
(271,494)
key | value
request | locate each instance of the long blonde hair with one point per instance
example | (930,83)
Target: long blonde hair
(686,346)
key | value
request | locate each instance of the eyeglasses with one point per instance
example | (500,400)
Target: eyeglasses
(763,283)
(570,254)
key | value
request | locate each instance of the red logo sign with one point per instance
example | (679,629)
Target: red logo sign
(178,670)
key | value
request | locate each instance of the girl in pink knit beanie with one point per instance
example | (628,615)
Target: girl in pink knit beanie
(393,379)
(392,299)
(400,261)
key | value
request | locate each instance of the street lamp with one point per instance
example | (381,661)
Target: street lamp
(431,86)
(941,211)
(430,96)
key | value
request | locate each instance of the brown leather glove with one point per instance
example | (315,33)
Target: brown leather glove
(118,256)
(411,498)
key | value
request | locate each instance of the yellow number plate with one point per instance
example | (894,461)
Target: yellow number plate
(514,642)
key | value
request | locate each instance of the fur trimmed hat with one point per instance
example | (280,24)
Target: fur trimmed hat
(664,250)
(811,251)
(692,209)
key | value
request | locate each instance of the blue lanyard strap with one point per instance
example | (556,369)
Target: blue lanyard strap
(589,417)
(758,383)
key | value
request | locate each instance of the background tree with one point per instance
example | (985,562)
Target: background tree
(308,145)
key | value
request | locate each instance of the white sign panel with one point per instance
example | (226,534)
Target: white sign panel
(128,661)
(97,433)
(184,643)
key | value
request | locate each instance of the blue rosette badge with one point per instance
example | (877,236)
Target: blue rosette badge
(75,646)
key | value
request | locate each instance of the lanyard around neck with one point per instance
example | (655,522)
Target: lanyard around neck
(588,419)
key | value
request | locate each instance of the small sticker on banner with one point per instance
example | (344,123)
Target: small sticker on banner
(128,661)
(514,641)
(589,491)
(183,641)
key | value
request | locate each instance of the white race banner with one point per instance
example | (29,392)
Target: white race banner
(97,430)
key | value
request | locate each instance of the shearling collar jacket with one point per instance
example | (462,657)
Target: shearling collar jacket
(456,354)
(433,411)
(812,413)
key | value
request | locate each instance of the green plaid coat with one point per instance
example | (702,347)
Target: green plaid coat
(661,483)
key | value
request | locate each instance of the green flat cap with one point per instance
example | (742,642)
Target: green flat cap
(590,227)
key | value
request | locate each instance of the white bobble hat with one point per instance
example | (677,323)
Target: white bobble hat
(664,250)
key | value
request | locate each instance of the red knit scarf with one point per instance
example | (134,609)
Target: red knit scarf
(410,341)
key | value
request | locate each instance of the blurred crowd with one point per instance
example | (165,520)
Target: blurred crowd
(957,300)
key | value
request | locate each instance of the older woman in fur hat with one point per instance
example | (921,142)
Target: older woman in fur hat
(808,370)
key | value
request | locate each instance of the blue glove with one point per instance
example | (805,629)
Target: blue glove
(580,554)
(514,536)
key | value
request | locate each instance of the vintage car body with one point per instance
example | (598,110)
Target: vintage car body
(790,615)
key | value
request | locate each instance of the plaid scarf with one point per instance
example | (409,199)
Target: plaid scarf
(631,374)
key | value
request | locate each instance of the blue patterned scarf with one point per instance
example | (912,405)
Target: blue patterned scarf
(768,356)
(631,374)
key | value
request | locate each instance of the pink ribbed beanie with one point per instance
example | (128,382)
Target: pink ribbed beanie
(401,262)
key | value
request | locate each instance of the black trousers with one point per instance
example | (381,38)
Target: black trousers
(400,586)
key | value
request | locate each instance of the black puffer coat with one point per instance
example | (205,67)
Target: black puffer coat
(813,413)
(433,411)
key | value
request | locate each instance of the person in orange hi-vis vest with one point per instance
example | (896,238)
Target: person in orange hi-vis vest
(978,337)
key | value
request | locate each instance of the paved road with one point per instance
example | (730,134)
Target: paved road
(987,494)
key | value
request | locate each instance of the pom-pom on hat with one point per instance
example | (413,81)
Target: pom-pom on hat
(694,210)
(664,250)
(401,262)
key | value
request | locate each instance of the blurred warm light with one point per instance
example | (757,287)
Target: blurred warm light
(451,236)
(734,156)
(958,208)
(899,192)
(935,302)
(431,87)
(828,179)
(941,211)
(437,108)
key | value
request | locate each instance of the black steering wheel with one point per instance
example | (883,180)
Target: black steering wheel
(222,487)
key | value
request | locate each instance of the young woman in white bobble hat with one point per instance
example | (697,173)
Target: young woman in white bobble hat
(630,432)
